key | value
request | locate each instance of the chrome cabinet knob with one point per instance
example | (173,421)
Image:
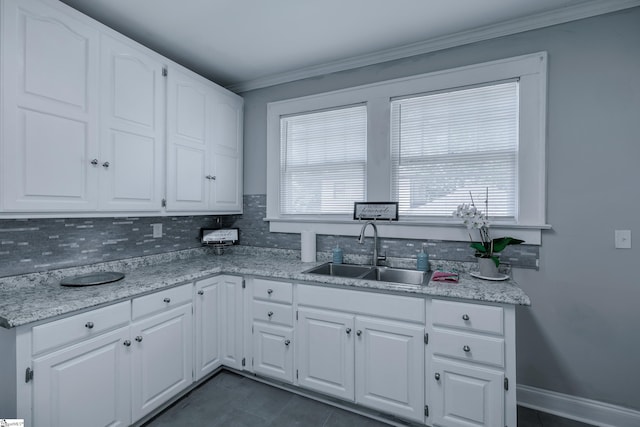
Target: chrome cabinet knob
(287,342)
(94,162)
(270,314)
(105,164)
(213,177)
(269,291)
(167,300)
(200,292)
(208,177)
(466,349)
(437,376)
(465,317)
(358,332)
(139,338)
(348,331)
(126,343)
(88,325)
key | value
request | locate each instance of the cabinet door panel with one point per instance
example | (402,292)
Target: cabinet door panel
(162,358)
(390,367)
(325,352)
(207,303)
(466,396)
(132,121)
(273,351)
(231,321)
(228,182)
(49,82)
(84,385)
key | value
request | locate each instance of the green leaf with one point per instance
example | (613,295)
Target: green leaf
(479,247)
(496,260)
(502,242)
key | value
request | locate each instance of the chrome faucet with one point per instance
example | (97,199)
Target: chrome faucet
(376,259)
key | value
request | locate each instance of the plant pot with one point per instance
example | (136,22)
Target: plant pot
(487,267)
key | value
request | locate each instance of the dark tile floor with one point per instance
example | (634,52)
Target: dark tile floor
(231,400)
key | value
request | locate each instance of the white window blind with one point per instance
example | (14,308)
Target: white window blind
(447,144)
(323,161)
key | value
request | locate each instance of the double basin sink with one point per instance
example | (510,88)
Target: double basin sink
(368,272)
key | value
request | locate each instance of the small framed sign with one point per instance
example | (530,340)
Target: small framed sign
(376,210)
(219,236)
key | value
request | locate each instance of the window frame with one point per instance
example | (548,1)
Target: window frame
(530,70)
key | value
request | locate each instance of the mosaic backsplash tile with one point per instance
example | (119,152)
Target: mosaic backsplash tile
(33,245)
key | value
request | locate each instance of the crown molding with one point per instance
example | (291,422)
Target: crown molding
(533,22)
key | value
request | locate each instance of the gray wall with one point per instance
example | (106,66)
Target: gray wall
(580,336)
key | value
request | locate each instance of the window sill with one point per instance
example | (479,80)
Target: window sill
(531,234)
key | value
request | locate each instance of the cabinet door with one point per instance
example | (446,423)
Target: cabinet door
(231,321)
(390,367)
(132,128)
(188,139)
(325,352)
(207,325)
(465,395)
(49,84)
(227,153)
(273,351)
(85,385)
(162,358)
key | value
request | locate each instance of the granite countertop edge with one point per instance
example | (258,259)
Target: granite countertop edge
(34,297)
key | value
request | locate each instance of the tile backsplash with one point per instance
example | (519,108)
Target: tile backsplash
(31,245)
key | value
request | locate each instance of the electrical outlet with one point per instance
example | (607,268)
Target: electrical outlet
(157,230)
(623,239)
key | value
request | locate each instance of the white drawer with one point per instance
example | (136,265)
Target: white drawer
(469,347)
(470,317)
(162,300)
(270,312)
(270,290)
(81,326)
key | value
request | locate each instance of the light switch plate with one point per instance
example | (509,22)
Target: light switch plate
(157,230)
(623,239)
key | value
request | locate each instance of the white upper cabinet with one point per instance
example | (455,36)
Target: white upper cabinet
(87,124)
(204,145)
(132,128)
(50,109)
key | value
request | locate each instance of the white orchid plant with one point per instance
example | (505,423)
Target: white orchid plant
(474,219)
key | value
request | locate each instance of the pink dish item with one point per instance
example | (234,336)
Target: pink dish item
(444,276)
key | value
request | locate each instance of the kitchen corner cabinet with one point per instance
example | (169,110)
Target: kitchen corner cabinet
(204,145)
(219,312)
(88,125)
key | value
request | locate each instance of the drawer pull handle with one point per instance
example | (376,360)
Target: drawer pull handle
(466,349)
(437,376)
(348,331)
(465,317)
(287,342)
(139,338)
(126,343)
(269,291)
(200,292)
(270,314)
(88,325)
(358,332)
(167,300)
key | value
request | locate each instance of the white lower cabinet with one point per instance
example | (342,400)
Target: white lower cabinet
(464,396)
(86,384)
(273,351)
(374,361)
(162,358)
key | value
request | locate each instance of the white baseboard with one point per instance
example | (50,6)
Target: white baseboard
(577,408)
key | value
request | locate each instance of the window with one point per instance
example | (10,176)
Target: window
(323,161)
(447,145)
(424,141)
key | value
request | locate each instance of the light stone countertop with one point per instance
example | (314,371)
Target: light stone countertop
(34,297)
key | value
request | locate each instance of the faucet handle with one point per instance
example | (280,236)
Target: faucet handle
(381,258)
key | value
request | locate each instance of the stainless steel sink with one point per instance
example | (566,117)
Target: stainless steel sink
(367,272)
(398,275)
(340,270)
